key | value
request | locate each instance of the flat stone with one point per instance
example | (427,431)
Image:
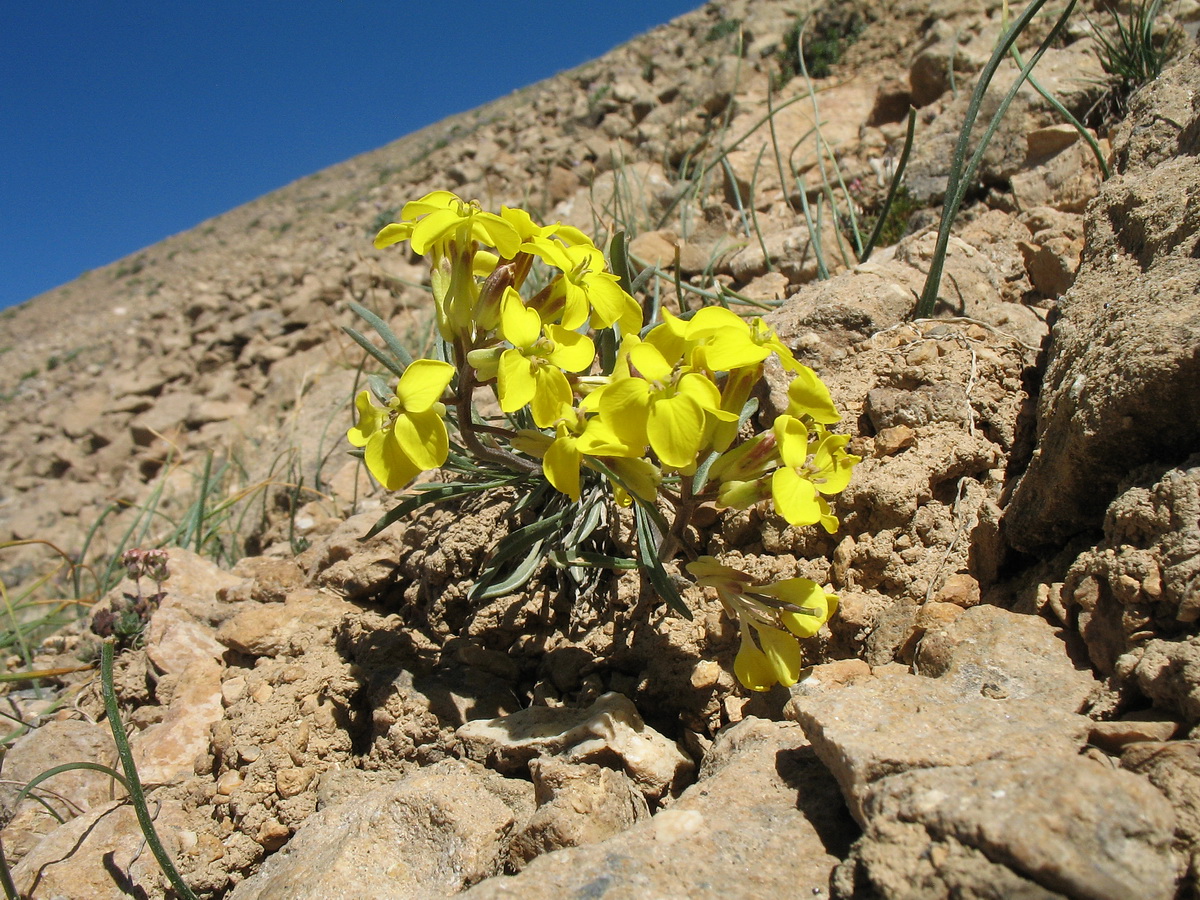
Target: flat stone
(898,722)
(609,728)
(991,652)
(167,751)
(283,629)
(427,835)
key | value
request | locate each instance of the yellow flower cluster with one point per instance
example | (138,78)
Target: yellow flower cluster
(670,399)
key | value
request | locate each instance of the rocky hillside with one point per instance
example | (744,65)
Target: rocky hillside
(1007,702)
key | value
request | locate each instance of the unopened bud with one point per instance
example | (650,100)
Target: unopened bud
(486,362)
(487,306)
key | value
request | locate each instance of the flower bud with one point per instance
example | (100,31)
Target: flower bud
(486,362)
(743,494)
(487,306)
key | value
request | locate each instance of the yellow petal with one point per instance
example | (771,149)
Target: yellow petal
(393,234)
(810,596)
(431,202)
(675,428)
(607,299)
(711,319)
(624,409)
(561,466)
(521,221)
(706,395)
(671,336)
(732,349)
(791,438)
(520,325)
(795,497)
(388,462)
(515,381)
(423,383)
(573,352)
(552,397)
(489,228)
(649,361)
(433,229)
(783,653)
(752,667)
(808,396)
(548,251)
(834,464)
(484,263)
(423,438)
(575,304)
(370,420)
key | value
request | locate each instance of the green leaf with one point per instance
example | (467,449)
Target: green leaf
(388,363)
(618,261)
(528,541)
(432,494)
(515,580)
(648,560)
(384,331)
(564,560)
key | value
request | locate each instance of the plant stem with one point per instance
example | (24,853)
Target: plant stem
(466,423)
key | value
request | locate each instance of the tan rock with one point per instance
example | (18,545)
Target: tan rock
(277,629)
(167,751)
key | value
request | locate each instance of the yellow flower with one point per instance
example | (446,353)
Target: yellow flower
(730,342)
(770,618)
(532,371)
(584,292)
(778,662)
(564,454)
(808,396)
(814,463)
(668,408)
(408,436)
(440,217)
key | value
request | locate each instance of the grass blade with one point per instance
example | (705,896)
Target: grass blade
(134,783)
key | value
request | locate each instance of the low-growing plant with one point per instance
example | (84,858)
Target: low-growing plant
(601,407)
(126,618)
(1133,51)
(833,30)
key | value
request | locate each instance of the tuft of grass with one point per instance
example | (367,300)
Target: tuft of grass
(723,28)
(891,220)
(1133,52)
(833,31)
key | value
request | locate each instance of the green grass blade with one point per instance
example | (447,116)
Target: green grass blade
(893,187)
(385,332)
(134,783)
(649,562)
(382,358)
(959,174)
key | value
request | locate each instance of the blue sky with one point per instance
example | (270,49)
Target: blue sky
(124,122)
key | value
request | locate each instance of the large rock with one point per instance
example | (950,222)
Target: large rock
(764,820)
(101,855)
(1044,826)
(1143,580)
(427,836)
(1122,376)
(962,795)
(991,652)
